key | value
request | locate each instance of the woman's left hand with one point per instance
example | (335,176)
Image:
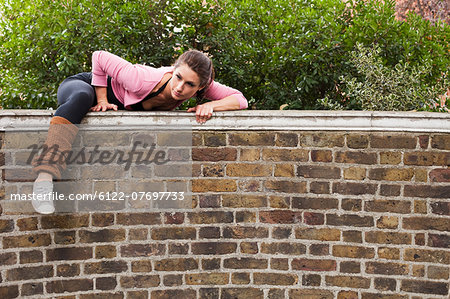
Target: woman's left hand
(202,112)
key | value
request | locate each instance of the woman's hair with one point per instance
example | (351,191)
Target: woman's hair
(199,63)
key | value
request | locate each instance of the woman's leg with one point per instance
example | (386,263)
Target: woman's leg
(75,98)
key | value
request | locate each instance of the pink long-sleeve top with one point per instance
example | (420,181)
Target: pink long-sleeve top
(131,83)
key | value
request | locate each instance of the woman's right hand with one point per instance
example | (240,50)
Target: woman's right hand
(103,106)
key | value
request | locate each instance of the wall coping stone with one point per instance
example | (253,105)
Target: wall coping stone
(279,120)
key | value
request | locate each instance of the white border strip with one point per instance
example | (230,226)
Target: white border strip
(297,120)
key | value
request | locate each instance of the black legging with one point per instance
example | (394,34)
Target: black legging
(76,96)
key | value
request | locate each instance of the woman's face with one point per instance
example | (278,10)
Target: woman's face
(185,83)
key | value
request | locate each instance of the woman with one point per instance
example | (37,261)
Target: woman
(117,84)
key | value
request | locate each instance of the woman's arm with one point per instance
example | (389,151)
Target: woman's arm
(104,64)
(204,112)
(102,100)
(223,98)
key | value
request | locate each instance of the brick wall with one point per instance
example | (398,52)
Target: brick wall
(276,214)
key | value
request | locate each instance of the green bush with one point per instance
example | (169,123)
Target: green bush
(384,88)
(275,51)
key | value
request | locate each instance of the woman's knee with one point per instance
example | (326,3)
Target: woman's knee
(76,92)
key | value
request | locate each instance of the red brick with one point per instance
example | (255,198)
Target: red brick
(102,219)
(426,159)
(313,265)
(72,285)
(138,218)
(27,273)
(354,188)
(315,203)
(248,170)
(105,267)
(209,233)
(29,289)
(286,139)
(426,223)
(64,221)
(245,263)
(139,281)
(176,264)
(390,206)
(348,281)
(440,175)
(27,257)
(391,174)
(313,218)
(66,270)
(214,185)
(356,158)
(209,201)
(8,258)
(435,240)
(240,293)
(214,154)
(392,141)
(249,248)
(135,250)
(171,293)
(207,278)
(243,201)
(9,291)
(383,296)
(213,247)
(323,234)
(69,253)
(352,236)
(312,171)
(313,280)
(215,139)
(427,191)
(283,248)
(441,208)
(277,279)
(424,287)
(351,204)
(245,232)
(385,284)
(381,237)
(319,187)
(173,218)
(103,235)
(210,217)
(105,283)
(321,156)
(29,240)
(350,267)
(322,139)
(172,280)
(427,256)
(353,251)
(441,142)
(173,233)
(357,141)
(386,268)
(285,186)
(349,220)
(252,138)
(27,224)
(280,216)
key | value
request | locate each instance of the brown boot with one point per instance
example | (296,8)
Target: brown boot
(61,135)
